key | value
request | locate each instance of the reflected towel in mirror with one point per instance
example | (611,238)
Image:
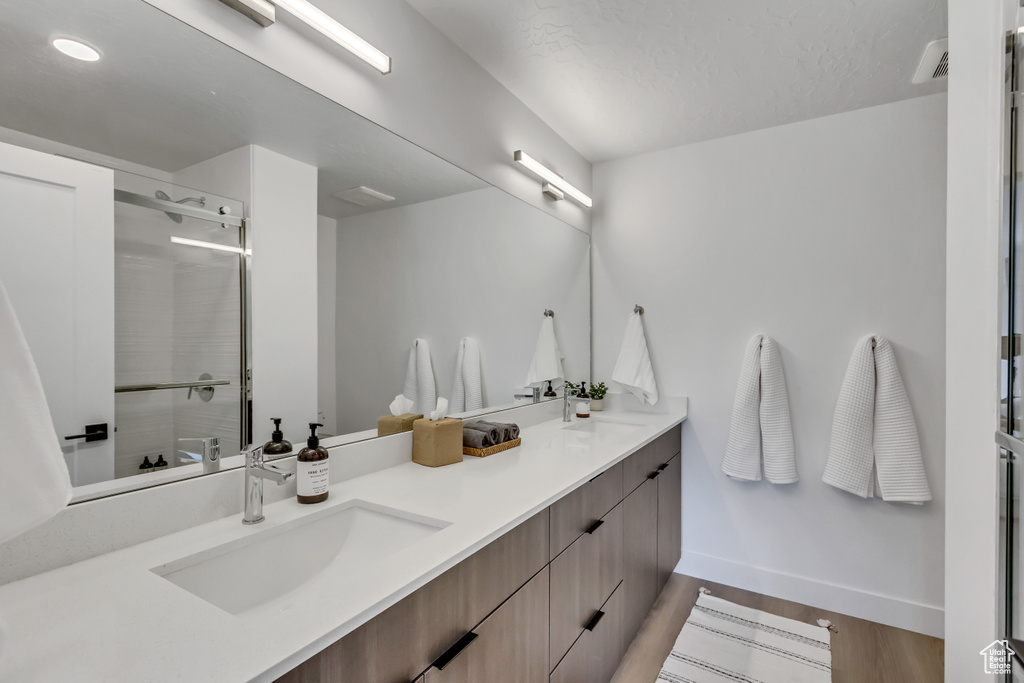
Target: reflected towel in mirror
(874,435)
(466,390)
(633,369)
(419,379)
(547,357)
(760,419)
(35,484)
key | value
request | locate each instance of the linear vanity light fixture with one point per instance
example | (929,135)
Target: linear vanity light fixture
(264,13)
(557,181)
(209,245)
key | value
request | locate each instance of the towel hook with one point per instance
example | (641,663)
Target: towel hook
(638,309)
(548,313)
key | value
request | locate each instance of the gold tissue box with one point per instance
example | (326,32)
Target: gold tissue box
(393,424)
(437,442)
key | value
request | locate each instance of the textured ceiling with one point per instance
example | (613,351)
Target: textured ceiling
(167,96)
(618,77)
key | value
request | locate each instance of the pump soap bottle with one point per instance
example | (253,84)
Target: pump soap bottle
(277,446)
(312,470)
(583,401)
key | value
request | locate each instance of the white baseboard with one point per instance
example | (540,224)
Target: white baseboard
(884,609)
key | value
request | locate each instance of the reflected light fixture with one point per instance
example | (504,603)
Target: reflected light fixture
(209,245)
(263,12)
(76,49)
(552,178)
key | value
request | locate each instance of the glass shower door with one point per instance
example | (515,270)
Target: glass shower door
(180,362)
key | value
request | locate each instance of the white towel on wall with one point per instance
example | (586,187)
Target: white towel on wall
(547,357)
(760,419)
(874,435)
(633,368)
(419,379)
(466,390)
(34,481)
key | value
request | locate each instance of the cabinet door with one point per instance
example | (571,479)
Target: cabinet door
(511,645)
(643,463)
(582,578)
(575,513)
(670,519)
(640,575)
(596,654)
(352,660)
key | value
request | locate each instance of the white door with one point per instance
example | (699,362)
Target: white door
(57,262)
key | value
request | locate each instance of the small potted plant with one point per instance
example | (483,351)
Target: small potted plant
(597,392)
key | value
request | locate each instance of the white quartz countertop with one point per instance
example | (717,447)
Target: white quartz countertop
(110,618)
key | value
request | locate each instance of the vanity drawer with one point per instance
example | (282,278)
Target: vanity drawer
(575,513)
(582,578)
(510,645)
(595,656)
(642,464)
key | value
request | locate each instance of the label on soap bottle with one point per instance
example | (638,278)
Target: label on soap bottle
(583,409)
(312,478)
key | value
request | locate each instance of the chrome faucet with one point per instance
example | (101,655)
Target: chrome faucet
(256,470)
(535,395)
(211,452)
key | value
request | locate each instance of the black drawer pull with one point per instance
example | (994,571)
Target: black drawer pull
(454,651)
(594,620)
(594,527)
(662,467)
(654,475)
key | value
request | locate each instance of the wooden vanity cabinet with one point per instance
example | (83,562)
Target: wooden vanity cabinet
(560,597)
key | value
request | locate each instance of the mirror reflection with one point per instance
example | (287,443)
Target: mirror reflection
(236,247)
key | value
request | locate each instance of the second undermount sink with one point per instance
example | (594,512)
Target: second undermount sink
(604,427)
(249,572)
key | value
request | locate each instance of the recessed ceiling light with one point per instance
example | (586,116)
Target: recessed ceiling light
(76,49)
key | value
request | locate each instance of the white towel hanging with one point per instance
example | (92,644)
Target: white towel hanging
(547,357)
(760,419)
(466,390)
(633,369)
(874,436)
(34,485)
(419,379)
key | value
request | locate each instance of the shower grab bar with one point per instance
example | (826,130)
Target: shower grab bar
(124,388)
(144,201)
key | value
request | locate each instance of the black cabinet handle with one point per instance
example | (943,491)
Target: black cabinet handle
(594,620)
(454,651)
(662,467)
(594,527)
(96,432)
(654,475)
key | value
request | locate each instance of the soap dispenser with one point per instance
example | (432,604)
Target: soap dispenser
(583,401)
(549,391)
(312,470)
(277,446)
(146,467)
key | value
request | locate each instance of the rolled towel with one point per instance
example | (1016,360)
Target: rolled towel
(506,430)
(760,419)
(492,431)
(874,435)
(472,438)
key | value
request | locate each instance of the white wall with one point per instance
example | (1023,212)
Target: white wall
(976,37)
(326,303)
(435,96)
(816,233)
(280,194)
(480,264)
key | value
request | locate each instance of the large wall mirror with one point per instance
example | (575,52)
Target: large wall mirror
(148,311)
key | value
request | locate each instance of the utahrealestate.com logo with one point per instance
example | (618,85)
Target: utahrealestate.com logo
(998,656)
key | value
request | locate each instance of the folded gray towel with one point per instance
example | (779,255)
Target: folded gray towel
(507,431)
(472,438)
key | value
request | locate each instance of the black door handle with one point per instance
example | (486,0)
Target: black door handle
(592,624)
(96,432)
(454,651)
(594,527)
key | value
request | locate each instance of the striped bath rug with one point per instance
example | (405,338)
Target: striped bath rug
(724,642)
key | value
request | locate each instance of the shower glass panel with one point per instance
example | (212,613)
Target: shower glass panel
(179,283)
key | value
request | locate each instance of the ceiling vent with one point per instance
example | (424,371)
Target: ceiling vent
(364,196)
(934,63)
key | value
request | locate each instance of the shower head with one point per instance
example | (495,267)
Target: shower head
(176,217)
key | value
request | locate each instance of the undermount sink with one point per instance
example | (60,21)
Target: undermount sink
(247,573)
(602,427)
